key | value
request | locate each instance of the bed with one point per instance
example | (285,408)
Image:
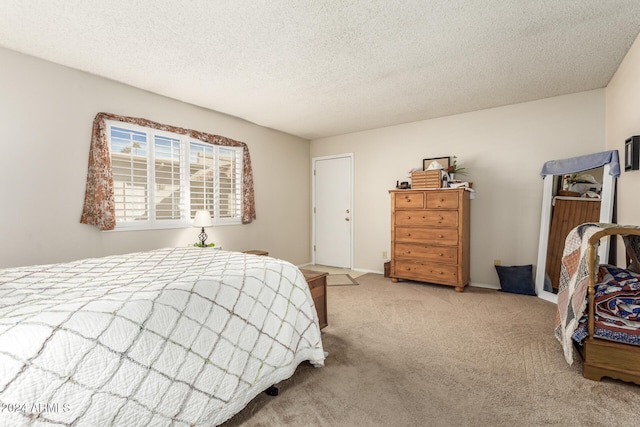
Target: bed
(178,336)
(599,304)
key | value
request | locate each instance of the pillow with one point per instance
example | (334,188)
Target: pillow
(517,279)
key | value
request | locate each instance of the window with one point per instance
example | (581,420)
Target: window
(160,179)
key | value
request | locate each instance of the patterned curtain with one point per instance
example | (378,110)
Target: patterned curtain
(99,202)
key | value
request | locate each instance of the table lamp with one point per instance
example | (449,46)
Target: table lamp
(202,219)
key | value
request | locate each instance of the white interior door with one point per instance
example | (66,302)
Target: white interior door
(333,210)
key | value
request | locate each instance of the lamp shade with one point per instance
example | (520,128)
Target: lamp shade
(202,219)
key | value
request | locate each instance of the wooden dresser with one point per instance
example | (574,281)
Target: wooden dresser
(430,236)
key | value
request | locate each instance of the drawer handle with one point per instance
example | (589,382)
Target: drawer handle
(441,273)
(441,254)
(442,236)
(441,199)
(408,234)
(409,217)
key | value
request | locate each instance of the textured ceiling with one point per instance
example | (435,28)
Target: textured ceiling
(322,68)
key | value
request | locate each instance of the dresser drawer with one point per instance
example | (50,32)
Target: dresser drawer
(427,217)
(428,272)
(440,236)
(409,200)
(446,254)
(442,200)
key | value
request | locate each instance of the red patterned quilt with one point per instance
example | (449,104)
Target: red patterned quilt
(574,281)
(617,307)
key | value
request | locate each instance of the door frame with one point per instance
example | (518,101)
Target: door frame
(313,203)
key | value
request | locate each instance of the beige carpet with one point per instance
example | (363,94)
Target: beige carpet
(408,354)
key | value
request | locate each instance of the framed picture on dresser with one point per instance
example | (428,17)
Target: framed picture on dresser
(444,161)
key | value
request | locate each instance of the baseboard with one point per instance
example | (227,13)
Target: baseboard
(484,285)
(360,270)
(365,270)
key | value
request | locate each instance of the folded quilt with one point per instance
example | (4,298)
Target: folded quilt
(618,300)
(617,307)
(574,281)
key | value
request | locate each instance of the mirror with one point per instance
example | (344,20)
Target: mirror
(554,170)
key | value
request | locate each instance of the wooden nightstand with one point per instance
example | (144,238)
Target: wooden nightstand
(257,252)
(317,282)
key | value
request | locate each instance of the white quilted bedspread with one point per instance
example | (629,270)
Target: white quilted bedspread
(180,337)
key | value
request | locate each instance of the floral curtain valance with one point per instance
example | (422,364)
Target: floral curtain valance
(99,202)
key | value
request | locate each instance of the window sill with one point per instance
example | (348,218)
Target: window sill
(166,227)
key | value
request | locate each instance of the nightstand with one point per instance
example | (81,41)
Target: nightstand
(317,282)
(257,252)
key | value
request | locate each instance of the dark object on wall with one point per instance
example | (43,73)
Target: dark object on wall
(632,153)
(517,279)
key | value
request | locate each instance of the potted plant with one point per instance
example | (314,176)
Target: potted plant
(454,169)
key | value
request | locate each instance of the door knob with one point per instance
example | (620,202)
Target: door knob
(347,219)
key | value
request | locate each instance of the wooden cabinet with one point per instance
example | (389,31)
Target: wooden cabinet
(317,282)
(430,236)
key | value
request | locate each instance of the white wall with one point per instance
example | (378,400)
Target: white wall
(503,148)
(622,122)
(46,114)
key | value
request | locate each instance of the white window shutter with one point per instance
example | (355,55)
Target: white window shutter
(161,179)
(129,152)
